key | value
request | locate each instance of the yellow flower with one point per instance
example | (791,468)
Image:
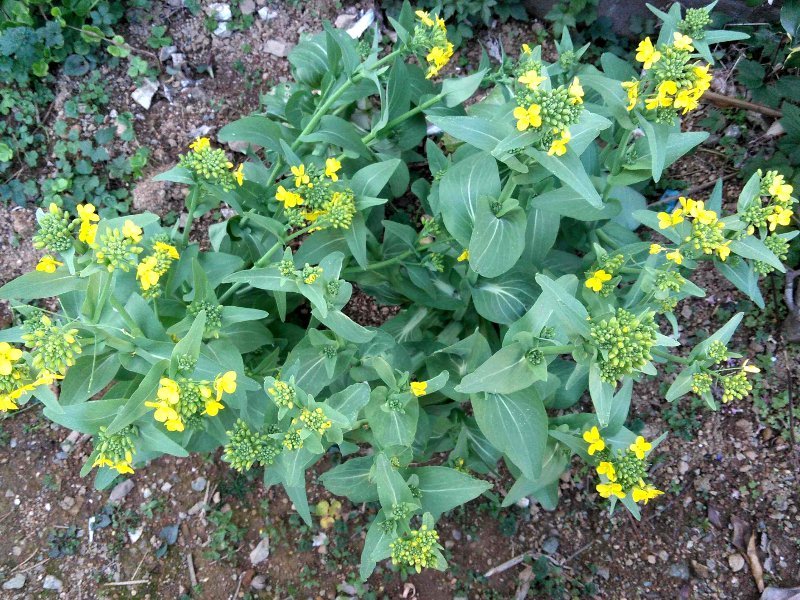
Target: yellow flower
(682,42)
(164,412)
(779,189)
(596,443)
(675,256)
(687,100)
(289,199)
(48,264)
(576,92)
(748,368)
(213,407)
(781,216)
(632,87)
(132,231)
(87,232)
(666,220)
(300,176)
(606,468)
(425,18)
(200,144)
(645,493)
(656,248)
(8,356)
(559,145)
(702,78)
(331,166)
(437,58)
(723,251)
(526,49)
(123,468)
(225,383)
(528,117)
(54,208)
(174,424)
(596,281)
(146,274)
(238,174)
(646,53)
(463,256)
(169,250)
(168,391)
(7,403)
(419,388)
(663,98)
(606,490)
(532,79)
(640,447)
(86,212)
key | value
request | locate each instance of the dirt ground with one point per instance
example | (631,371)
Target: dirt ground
(186,528)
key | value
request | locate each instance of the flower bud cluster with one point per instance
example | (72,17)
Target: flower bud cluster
(210,165)
(53,347)
(246,448)
(213,316)
(115,450)
(694,23)
(55,230)
(624,342)
(416,549)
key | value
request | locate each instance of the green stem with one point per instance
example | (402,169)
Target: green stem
(402,118)
(508,189)
(666,355)
(105,291)
(194,197)
(378,265)
(606,238)
(566,349)
(263,261)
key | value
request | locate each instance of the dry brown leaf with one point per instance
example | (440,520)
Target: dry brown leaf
(755,563)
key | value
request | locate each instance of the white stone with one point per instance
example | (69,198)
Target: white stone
(121,490)
(143,95)
(276,47)
(15,583)
(265,14)
(261,552)
(220,11)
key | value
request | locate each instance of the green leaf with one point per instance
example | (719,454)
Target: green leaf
(444,489)
(154,439)
(656,135)
(504,299)
(86,417)
(744,277)
(459,89)
(352,479)
(255,129)
(189,345)
(369,181)
(177,175)
(492,233)
(505,372)
(459,190)
(571,172)
(602,394)
(475,131)
(516,424)
(134,408)
(392,488)
(753,248)
(344,326)
(541,233)
(376,546)
(567,309)
(723,334)
(38,284)
(392,427)
(88,376)
(335,130)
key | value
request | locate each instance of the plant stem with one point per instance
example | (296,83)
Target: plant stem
(194,196)
(103,296)
(508,189)
(404,117)
(666,355)
(378,265)
(566,349)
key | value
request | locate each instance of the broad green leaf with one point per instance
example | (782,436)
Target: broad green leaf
(369,181)
(352,479)
(753,248)
(504,299)
(38,284)
(508,370)
(567,309)
(516,424)
(496,242)
(744,277)
(134,408)
(541,233)
(459,89)
(392,488)
(723,334)
(571,172)
(89,375)
(444,489)
(459,190)
(335,130)
(476,131)
(254,129)
(86,417)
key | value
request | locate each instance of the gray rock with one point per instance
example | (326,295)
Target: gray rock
(261,552)
(679,571)
(733,131)
(165,52)
(121,490)
(276,48)
(248,7)
(143,95)
(550,545)
(178,59)
(222,30)
(265,14)
(259,582)
(736,562)
(199,484)
(220,11)
(52,583)
(17,582)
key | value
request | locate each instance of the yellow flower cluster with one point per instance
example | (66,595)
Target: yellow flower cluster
(623,473)
(211,165)
(419,388)
(152,267)
(316,197)
(13,374)
(707,233)
(430,38)
(672,83)
(177,401)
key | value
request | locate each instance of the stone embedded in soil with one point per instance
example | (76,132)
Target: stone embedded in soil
(220,11)
(143,95)
(121,490)
(52,583)
(550,545)
(265,14)
(259,582)
(17,582)
(247,7)
(222,31)
(165,52)
(199,484)
(736,562)
(261,552)
(276,48)
(679,571)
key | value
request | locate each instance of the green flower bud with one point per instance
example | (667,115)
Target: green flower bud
(624,341)
(694,23)
(55,230)
(717,351)
(210,165)
(213,316)
(246,448)
(735,387)
(53,348)
(283,394)
(701,383)
(117,251)
(416,549)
